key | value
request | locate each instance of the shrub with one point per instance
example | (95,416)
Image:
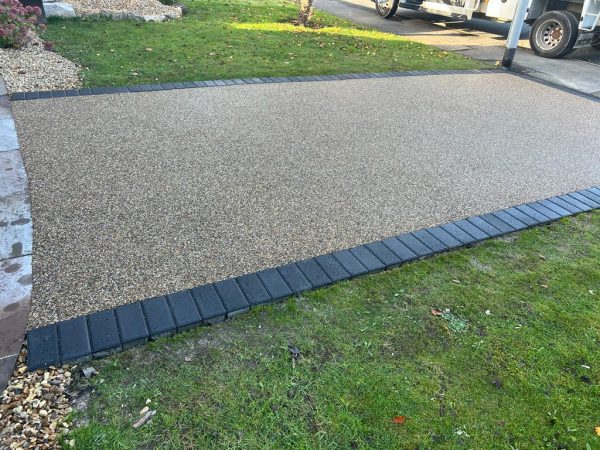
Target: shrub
(17,22)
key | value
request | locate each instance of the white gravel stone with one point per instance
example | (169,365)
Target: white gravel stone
(59,9)
(147,10)
(35,69)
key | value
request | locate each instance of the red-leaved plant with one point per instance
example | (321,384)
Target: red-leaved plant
(17,23)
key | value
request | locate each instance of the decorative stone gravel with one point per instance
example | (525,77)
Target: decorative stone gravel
(147,10)
(34,407)
(35,69)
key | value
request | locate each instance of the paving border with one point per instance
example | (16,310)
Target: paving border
(15,242)
(40,95)
(105,332)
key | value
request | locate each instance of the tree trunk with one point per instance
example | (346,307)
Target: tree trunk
(305,12)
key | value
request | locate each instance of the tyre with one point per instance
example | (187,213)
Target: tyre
(386,8)
(553,34)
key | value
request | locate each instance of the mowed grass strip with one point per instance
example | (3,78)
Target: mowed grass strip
(512,362)
(221,39)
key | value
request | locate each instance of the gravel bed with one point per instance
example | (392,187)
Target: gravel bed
(124,9)
(34,407)
(35,69)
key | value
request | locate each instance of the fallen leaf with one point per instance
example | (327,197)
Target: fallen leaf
(188,359)
(148,49)
(597,430)
(436,312)
(456,281)
(399,420)
(542,256)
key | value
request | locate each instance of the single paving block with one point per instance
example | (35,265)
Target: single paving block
(352,265)
(569,204)
(521,217)
(294,278)
(274,283)
(430,241)
(477,233)
(550,213)
(384,254)
(334,270)
(189,84)
(45,94)
(444,237)
(32,95)
(232,297)
(253,289)
(132,325)
(367,258)
(42,347)
(96,91)
(58,93)
(74,340)
(209,304)
(533,213)
(104,333)
(71,92)
(458,233)
(486,227)
(399,249)
(595,190)
(17,96)
(510,220)
(420,249)
(498,223)
(184,310)
(158,317)
(559,210)
(313,273)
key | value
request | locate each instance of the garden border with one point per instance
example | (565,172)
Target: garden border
(105,332)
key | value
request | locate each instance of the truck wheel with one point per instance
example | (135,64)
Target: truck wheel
(386,8)
(554,34)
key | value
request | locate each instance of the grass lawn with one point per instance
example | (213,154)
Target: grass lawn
(221,39)
(515,364)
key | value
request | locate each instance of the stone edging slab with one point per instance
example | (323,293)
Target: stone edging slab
(15,242)
(18,96)
(102,333)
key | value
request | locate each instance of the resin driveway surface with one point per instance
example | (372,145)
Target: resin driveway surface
(135,195)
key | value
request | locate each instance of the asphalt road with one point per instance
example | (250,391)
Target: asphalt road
(141,194)
(477,38)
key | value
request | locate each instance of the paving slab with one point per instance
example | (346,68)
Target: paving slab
(145,194)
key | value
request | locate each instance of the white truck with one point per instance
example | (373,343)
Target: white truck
(557,26)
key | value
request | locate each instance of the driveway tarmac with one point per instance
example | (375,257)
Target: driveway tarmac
(135,195)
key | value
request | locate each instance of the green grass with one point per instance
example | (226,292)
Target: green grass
(236,39)
(523,373)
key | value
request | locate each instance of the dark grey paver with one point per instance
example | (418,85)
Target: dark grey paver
(399,249)
(522,217)
(352,265)
(313,273)
(334,270)
(558,210)
(158,317)
(430,241)
(533,213)
(484,226)
(384,254)
(550,213)
(74,340)
(104,333)
(132,325)
(471,229)
(274,283)
(184,310)
(498,223)
(232,297)
(209,304)
(45,94)
(571,206)
(590,195)
(444,237)
(458,233)
(510,220)
(253,289)
(415,245)
(42,347)
(294,278)
(367,258)
(583,205)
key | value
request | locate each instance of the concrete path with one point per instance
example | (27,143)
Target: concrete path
(135,195)
(479,39)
